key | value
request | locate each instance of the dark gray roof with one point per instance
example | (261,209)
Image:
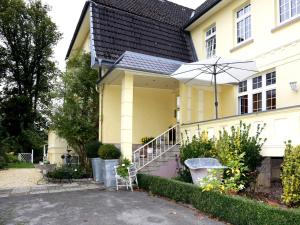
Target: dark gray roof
(201,10)
(152,27)
(142,62)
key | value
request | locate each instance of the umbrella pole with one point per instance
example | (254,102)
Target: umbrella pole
(216,90)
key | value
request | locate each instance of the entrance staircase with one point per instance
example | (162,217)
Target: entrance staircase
(159,156)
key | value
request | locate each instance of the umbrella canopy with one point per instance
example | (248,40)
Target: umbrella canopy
(215,71)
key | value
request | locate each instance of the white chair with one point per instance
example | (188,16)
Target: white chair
(126,181)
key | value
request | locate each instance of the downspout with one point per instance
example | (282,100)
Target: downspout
(101,92)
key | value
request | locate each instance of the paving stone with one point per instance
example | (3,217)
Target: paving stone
(20,190)
(75,189)
(38,192)
(70,185)
(4,195)
(39,188)
(57,190)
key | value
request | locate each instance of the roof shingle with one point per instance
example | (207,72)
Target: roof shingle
(150,27)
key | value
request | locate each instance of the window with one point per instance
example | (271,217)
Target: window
(271,78)
(271,99)
(210,40)
(257,82)
(257,93)
(243,102)
(243,25)
(257,102)
(243,86)
(288,9)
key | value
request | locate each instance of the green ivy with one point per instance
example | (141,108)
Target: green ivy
(291,175)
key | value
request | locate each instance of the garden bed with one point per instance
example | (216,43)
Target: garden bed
(236,210)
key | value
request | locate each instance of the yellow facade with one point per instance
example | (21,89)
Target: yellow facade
(273,46)
(153,112)
(56,148)
(130,111)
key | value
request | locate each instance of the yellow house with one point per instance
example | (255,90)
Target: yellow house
(136,51)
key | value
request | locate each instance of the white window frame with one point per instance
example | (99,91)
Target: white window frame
(250,92)
(241,19)
(290,16)
(210,52)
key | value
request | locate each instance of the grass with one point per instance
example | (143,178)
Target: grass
(20,165)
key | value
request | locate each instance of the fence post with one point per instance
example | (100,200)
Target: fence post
(32,156)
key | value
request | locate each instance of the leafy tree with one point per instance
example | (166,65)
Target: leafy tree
(77,119)
(27,71)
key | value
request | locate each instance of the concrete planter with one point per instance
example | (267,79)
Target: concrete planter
(109,172)
(97,165)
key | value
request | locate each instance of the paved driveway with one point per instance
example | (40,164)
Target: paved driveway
(97,207)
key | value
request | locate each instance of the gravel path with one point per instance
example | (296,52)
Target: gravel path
(19,178)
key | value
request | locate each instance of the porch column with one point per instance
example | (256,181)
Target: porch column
(126,115)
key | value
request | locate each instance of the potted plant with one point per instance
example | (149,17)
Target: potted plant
(110,155)
(148,149)
(92,149)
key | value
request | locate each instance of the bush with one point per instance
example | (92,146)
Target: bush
(232,209)
(92,149)
(109,151)
(3,163)
(67,173)
(241,152)
(123,168)
(184,175)
(11,158)
(200,146)
(291,175)
(145,140)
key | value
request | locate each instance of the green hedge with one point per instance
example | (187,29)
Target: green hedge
(233,209)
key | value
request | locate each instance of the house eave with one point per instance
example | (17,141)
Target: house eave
(195,19)
(78,26)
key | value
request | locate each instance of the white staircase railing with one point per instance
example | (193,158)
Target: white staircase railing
(156,147)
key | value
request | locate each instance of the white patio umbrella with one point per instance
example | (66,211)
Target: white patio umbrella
(215,71)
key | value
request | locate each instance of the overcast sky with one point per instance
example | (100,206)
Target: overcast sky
(65,14)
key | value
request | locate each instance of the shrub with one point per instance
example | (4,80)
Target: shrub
(92,149)
(11,158)
(291,175)
(3,163)
(145,140)
(233,209)
(200,146)
(184,175)
(123,168)
(67,173)
(109,151)
(241,153)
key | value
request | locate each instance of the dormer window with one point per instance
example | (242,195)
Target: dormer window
(243,23)
(210,40)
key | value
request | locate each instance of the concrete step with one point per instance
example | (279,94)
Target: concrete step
(165,165)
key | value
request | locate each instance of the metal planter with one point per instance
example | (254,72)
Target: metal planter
(200,167)
(97,165)
(109,172)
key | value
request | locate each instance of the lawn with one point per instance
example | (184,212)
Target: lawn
(20,165)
